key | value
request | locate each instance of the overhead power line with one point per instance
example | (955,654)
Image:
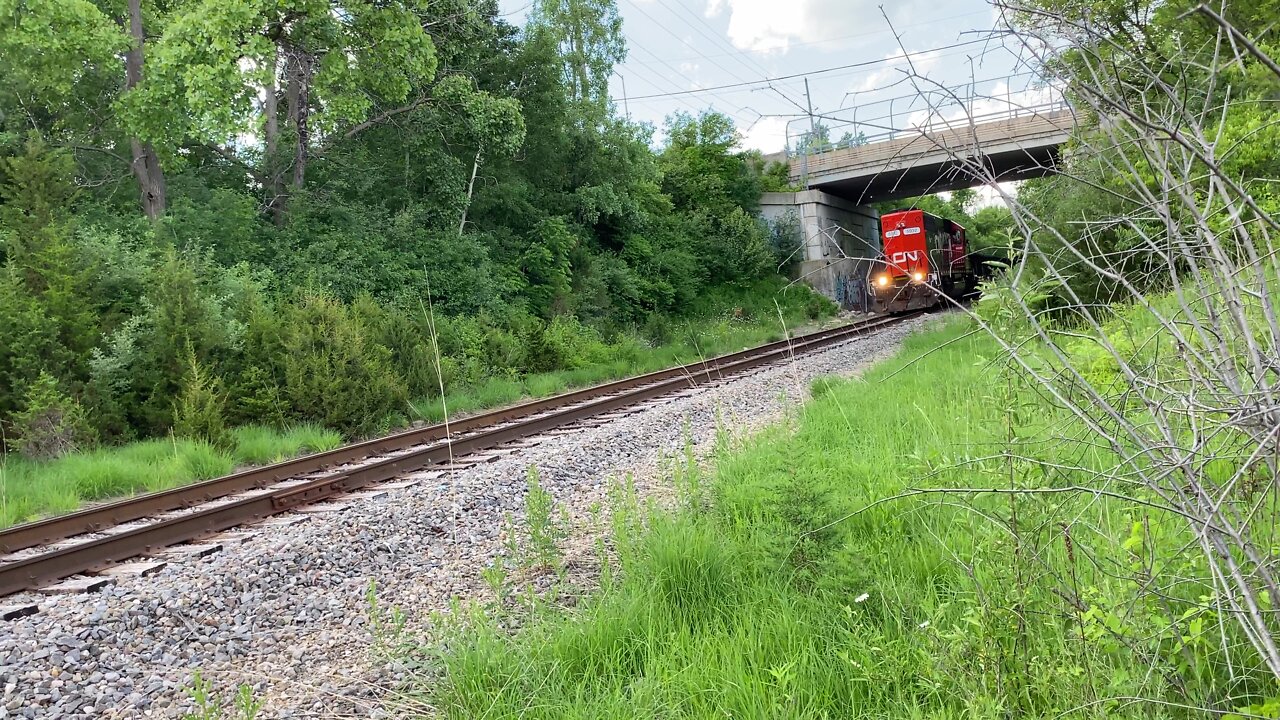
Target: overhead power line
(797,84)
(735,52)
(634,46)
(715,38)
(836,68)
(702,28)
(687,44)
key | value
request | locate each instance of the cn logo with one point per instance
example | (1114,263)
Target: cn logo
(899,258)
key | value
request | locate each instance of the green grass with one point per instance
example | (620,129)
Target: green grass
(800,589)
(263,445)
(29,490)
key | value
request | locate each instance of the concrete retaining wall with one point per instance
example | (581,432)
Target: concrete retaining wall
(839,239)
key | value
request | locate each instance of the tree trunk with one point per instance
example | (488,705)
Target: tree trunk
(145,164)
(471,187)
(276,195)
(300,110)
(580,64)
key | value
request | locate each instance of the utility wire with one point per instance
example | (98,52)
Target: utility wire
(748,53)
(716,39)
(745,59)
(631,45)
(773,85)
(655,21)
(766,81)
(678,73)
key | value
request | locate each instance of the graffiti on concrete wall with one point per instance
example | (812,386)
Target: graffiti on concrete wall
(851,293)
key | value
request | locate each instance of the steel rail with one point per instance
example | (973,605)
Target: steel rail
(94,519)
(43,568)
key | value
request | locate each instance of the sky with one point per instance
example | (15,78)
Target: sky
(682,52)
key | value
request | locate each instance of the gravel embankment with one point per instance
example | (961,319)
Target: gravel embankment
(285,608)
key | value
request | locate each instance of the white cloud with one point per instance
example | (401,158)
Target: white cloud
(757,25)
(896,70)
(768,135)
(768,26)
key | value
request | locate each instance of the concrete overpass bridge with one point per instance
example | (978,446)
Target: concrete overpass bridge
(932,152)
(930,161)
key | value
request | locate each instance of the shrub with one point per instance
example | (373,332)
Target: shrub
(407,336)
(335,372)
(51,424)
(199,411)
(141,365)
(657,329)
(817,306)
(46,308)
(565,343)
(254,390)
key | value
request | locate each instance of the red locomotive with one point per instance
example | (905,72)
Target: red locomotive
(926,259)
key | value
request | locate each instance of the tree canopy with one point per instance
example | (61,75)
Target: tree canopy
(227,190)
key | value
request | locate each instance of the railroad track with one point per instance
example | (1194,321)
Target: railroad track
(40,553)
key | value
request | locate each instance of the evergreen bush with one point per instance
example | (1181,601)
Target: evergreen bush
(50,424)
(335,372)
(199,413)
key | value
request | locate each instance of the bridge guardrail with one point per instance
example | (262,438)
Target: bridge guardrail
(943,109)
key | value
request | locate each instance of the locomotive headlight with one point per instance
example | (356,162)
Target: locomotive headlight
(918,276)
(883,280)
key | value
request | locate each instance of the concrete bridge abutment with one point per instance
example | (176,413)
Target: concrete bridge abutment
(838,240)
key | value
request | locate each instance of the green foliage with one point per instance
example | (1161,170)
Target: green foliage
(210,59)
(589,33)
(261,445)
(188,310)
(210,706)
(545,531)
(200,408)
(1112,216)
(46,66)
(492,124)
(47,313)
(397,258)
(50,424)
(155,465)
(990,229)
(566,344)
(491,232)
(332,369)
(823,385)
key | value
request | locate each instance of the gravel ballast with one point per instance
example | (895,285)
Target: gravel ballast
(285,609)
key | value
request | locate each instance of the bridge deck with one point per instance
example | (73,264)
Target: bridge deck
(927,162)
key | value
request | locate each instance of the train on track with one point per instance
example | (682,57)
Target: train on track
(925,260)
